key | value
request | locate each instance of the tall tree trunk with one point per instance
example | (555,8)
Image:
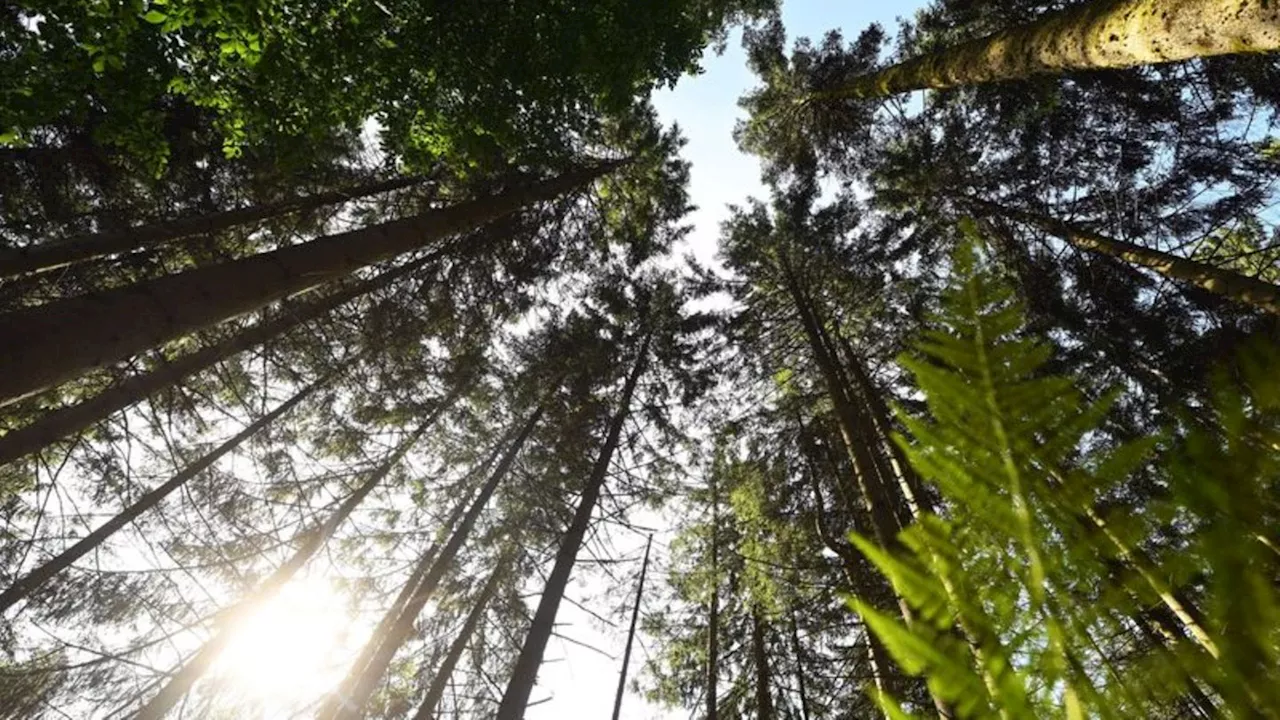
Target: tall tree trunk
(883,505)
(760,658)
(440,680)
(800,681)
(363,680)
(59,253)
(631,633)
(407,591)
(1096,35)
(42,574)
(313,539)
(54,425)
(525,672)
(713,620)
(879,503)
(884,673)
(913,488)
(58,341)
(1240,288)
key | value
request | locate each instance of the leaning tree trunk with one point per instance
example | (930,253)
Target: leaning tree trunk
(801,686)
(181,682)
(42,574)
(363,680)
(440,681)
(1103,34)
(1240,288)
(58,341)
(59,253)
(54,425)
(385,625)
(760,659)
(313,539)
(631,633)
(525,672)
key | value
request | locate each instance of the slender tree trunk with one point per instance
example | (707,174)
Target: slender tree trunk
(362,681)
(407,591)
(63,422)
(913,488)
(881,503)
(440,681)
(42,574)
(713,622)
(1240,288)
(58,341)
(760,657)
(631,633)
(1097,35)
(59,253)
(313,539)
(800,681)
(525,672)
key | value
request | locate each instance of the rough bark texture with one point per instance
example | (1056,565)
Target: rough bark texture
(631,633)
(313,539)
(1097,35)
(52,343)
(440,681)
(63,252)
(42,574)
(56,424)
(525,672)
(364,680)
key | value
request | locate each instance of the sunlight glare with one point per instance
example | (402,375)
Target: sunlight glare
(284,654)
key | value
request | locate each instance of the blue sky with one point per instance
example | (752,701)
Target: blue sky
(576,682)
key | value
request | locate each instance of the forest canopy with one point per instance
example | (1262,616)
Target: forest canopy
(353,359)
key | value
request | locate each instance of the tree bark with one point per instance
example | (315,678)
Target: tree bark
(800,682)
(362,681)
(631,633)
(440,681)
(760,656)
(1103,34)
(713,622)
(63,422)
(42,574)
(525,672)
(58,341)
(59,253)
(180,682)
(1240,288)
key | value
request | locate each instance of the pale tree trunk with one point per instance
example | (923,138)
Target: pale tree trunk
(631,633)
(1103,34)
(362,681)
(180,682)
(39,576)
(440,680)
(800,681)
(1240,288)
(760,658)
(54,425)
(59,253)
(52,343)
(713,621)
(525,672)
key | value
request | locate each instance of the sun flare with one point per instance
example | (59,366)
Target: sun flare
(288,651)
